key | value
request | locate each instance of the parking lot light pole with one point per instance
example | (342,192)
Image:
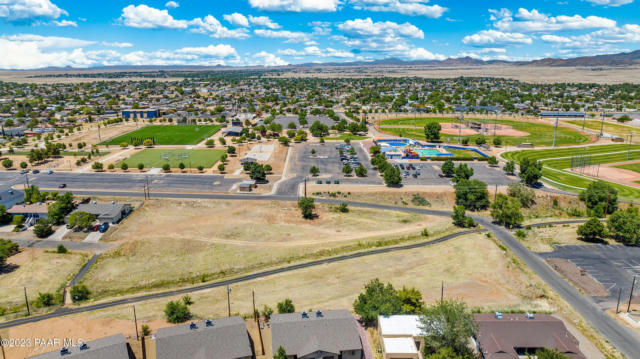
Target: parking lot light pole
(229,299)
(618,306)
(633,285)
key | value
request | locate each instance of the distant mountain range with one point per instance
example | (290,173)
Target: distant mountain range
(612,60)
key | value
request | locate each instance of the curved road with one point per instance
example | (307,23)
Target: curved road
(622,338)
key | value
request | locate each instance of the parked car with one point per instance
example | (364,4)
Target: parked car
(50,172)
(24,171)
(35,172)
(104,227)
(62,185)
(95,227)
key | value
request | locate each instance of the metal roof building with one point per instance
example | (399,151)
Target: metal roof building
(113,347)
(328,334)
(224,338)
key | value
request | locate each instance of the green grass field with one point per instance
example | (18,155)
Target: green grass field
(635,167)
(462,153)
(540,134)
(344,136)
(610,128)
(154,158)
(168,135)
(556,161)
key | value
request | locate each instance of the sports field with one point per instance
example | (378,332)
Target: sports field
(557,161)
(540,134)
(615,129)
(168,135)
(156,158)
(635,167)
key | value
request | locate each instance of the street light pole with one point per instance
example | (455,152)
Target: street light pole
(602,124)
(229,300)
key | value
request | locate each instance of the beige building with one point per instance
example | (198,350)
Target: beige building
(401,336)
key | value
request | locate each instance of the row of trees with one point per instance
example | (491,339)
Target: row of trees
(390,174)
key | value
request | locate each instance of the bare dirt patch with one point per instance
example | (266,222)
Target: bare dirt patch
(582,280)
(166,241)
(609,172)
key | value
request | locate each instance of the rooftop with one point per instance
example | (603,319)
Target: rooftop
(113,347)
(395,325)
(399,346)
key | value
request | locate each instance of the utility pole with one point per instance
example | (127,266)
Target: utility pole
(26,300)
(633,285)
(441,291)
(135,321)
(2,348)
(618,306)
(555,132)
(253,296)
(228,300)
(305,188)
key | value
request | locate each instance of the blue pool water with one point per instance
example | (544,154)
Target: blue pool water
(427,152)
(397,144)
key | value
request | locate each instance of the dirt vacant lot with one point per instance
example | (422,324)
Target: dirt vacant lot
(167,242)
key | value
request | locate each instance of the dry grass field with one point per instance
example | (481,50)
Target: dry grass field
(38,270)
(544,239)
(169,242)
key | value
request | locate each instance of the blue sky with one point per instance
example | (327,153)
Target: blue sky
(42,33)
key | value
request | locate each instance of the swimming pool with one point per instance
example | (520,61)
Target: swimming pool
(397,144)
(427,152)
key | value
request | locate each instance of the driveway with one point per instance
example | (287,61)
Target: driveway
(59,234)
(93,237)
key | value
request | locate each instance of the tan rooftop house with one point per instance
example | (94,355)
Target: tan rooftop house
(514,336)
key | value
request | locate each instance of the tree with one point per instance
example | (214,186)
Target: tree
(42,229)
(210,143)
(286,306)
(147,143)
(177,312)
(377,299)
(166,167)
(231,150)
(318,129)
(267,311)
(284,140)
(181,166)
(23,165)
(481,140)
(79,293)
(497,141)
(221,167)
(447,324)
(462,172)
(361,171)
(600,198)
(492,161)
(45,300)
(97,166)
(392,176)
(411,300)
(472,194)
(347,170)
(146,331)
(448,353)
(525,195)
(307,205)
(314,171)
(61,249)
(592,230)
(80,219)
(140,166)
(545,353)
(5,218)
(374,150)
(281,354)
(268,168)
(432,131)
(124,166)
(7,249)
(624,225)
(506,210)
(7,163)
(530,171)
(448,168)
(510,167)
(459,216)
(257,172)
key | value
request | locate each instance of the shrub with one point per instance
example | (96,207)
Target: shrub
(592,230)
(307,205)
(111,166)
(146,331)
(42,229)
(525,195)
(124,166)
(79,293)
(61,249)
(140,166)
(221,167)
(45,300)
(177,312)
(166,167)
(418,200)
(600,198)
(97,166)
(286,306)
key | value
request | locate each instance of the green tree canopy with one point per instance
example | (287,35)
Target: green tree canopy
(286,306)
(447,324)
(392,176)
(307,205)
(432,131)
(600,198)
(506,210)
(177,312)
(530,171)
(411,300)
(592,230)
(448,168)
(377,299)
(462,172)
(624,226)
(472,194)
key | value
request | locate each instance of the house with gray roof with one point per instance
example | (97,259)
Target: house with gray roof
(329,334)
(106,212)
(224,338)
(113,347)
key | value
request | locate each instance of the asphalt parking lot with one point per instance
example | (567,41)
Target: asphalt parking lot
(612,265)
(430,174)
(327,159)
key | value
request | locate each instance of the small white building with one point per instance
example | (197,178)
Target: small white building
(401,336)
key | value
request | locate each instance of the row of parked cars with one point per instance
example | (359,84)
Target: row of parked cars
(347,157)
(96,227)
(407,168)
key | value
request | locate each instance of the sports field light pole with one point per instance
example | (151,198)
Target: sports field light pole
(460,118)
(629,149)
(602,124)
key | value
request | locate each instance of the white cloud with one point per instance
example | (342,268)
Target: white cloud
(290,36)
(117,44)
(555,39)
(65,23)
(267,59)
(24,10)
(316,51)
(145,17)
(610,2)
(171,5)
(237,19)
(34,51)
(211,26)
(47,42)
(366,27)
(263,21)
(296,5)
(405,7)
(493,37)
(418,53)
(534,21)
